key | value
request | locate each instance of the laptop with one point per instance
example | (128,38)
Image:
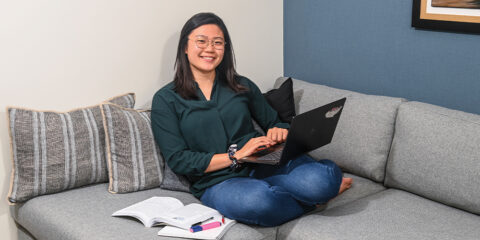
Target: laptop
(308,131)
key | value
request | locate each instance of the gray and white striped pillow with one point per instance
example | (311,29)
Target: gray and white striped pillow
(53,151)
(134,159)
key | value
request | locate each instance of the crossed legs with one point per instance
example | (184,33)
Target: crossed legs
(273,195)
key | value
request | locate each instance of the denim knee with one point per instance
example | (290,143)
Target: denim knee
(258,203)
(323,180)
(335,180)
(269,206)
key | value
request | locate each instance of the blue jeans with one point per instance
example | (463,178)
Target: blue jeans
(273,195)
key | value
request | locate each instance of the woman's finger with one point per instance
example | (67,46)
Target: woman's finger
(269,133)
(272,134)
(284,135)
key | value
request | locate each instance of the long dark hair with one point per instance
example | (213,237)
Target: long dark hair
(184,81)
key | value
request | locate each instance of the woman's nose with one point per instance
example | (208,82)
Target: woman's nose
(210,46)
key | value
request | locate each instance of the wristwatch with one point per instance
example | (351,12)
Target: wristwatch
(231,154)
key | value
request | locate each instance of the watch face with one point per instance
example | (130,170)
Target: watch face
(232,149)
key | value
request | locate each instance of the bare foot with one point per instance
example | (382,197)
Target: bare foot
(346,184)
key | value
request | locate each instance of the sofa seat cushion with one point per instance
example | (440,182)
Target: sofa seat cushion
(390,214)
(361,188)
(364,132)
(85,213)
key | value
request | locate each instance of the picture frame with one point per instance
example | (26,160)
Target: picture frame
(445,18)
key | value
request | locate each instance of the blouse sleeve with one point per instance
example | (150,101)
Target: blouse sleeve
(166,130)
(262,112)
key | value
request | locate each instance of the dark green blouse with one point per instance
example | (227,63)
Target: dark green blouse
(190,132)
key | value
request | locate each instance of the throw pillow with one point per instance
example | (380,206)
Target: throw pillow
(53,151)
(282,100)
(174,182)
(134,159)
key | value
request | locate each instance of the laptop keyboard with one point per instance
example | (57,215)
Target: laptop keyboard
(275,155)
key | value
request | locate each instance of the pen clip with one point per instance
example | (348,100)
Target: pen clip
(201,222)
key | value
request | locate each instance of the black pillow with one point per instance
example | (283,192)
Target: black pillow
(282,101)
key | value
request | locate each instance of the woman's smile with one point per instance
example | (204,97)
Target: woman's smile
(202,51)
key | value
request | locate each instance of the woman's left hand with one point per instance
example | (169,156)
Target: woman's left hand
(277,135)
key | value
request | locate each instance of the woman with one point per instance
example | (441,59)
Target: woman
(206,110)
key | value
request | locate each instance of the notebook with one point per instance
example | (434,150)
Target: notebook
(308,131)
(214,233)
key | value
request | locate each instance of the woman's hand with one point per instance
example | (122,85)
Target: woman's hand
(278,135)
(254,145)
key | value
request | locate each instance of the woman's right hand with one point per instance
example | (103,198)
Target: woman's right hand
(254,145)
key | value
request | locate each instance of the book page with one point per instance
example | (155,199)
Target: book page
(185,217)
(147,210)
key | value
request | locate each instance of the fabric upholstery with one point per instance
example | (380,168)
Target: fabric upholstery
(173,181)
(134,159)
(85,213)
(365,130)
(127,100)
(361,188)
(55,151)
(23,234)
(436,154)
(390,214)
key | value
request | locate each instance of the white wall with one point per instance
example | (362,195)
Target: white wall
(59,55)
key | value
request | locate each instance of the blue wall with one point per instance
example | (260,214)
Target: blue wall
(370,47)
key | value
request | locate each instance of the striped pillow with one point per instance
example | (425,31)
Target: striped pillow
(53,151)
(134,159)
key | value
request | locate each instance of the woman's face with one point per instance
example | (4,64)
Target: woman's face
(205,48)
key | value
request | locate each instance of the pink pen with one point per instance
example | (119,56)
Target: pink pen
(205,226)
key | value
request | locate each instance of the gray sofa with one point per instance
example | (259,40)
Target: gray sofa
(415,168)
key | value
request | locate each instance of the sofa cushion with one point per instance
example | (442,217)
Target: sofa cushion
(390,214)
(134,159)
(282,100)
(126,100)
(436,154)
(365,130)
(361,188)
(173,181)
(55,151)
(85,213)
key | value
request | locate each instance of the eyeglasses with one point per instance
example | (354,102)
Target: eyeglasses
(203,42)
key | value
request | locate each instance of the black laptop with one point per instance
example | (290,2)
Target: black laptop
(308,131)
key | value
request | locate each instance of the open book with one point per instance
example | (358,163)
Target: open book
(214,233)
(169,211)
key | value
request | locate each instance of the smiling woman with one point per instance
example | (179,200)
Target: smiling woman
(205,55)
(456,3)
(202,122)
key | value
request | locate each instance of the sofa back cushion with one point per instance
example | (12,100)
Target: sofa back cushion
(436,154)
(365,130)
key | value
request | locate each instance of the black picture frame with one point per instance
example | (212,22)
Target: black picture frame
(443,22)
